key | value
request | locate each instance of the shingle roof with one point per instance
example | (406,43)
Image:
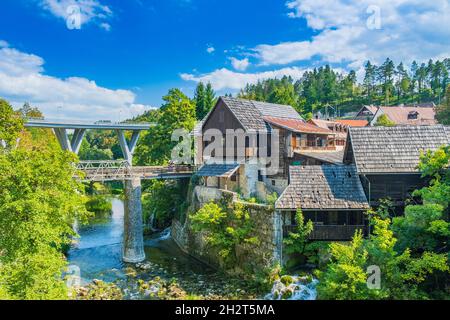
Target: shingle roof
(247,114)
(353,123)
(250,113)
(276,110)
(394,149)
(400,115)
(297,125)
(324,187)
(335,157)
(217,170)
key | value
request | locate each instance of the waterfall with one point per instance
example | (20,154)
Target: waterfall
(151,222)
(165,234)
(293,288)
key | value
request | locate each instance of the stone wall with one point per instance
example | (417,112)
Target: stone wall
(250,257)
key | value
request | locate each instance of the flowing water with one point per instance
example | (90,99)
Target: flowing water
(301,288)
(98,251)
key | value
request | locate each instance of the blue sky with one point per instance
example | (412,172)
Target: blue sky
(124,55)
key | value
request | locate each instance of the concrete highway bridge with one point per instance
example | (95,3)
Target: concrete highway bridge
(70,134)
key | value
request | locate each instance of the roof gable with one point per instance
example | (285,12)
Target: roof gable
(296,125)
(394,149)
(326,187)
(400,115)
(276,110)
(251,113)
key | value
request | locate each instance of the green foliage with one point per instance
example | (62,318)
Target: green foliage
(322,89)
(296,241)
(39,201)
(88,152)
(402,276)
(99,204)
(204,99)
(443,110)
(11,124)
(272,198)
(384,121)
(164,200)
(177,112)
(27,111)
(225,228)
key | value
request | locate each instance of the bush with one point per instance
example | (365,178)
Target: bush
(99,204)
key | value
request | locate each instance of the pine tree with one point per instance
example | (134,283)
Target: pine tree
(199,99)
(209,100)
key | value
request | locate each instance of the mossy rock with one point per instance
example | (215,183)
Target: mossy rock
(287,280)
(286,295)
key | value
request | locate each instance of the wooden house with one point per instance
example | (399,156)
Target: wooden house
(387,158)
(331,196)
(253,117)
(400,115)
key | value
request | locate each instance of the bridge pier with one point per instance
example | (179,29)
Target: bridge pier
(133,238)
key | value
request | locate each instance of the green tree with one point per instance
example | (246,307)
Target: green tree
(210,99)
(199,99)
(296,241)
(402,276)
(11,124)
(177,112)
(443,110)
(384,121)
(369,81)
(27,111)
(224,227)
(39,201)
(385,74)
(204,99)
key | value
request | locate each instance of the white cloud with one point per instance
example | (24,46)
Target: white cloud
(105,26)
(210,49)
(410,30)
(240,65)
(3,44)
(227,79)
(87,11)
(22,79)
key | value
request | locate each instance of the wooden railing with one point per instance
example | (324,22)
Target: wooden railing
(330,232)
(306,148)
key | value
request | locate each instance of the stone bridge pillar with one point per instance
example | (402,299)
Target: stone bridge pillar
(133,238)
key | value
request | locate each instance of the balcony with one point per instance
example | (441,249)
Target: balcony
(330,232)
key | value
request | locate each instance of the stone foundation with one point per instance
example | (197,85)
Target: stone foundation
(250,257)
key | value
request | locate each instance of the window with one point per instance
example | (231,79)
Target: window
(260,176)
(413,115)
(319,142)
(233,177)
(274,182)
(298,140)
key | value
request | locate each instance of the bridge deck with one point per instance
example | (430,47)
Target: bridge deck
(120,170)
(79,124)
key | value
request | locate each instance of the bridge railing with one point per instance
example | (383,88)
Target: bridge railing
(108,170)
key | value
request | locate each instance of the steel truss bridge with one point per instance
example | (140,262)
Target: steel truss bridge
(112,170)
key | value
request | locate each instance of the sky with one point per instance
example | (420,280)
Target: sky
(114,59)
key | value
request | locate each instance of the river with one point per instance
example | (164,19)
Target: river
(97,254)
(98,251)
